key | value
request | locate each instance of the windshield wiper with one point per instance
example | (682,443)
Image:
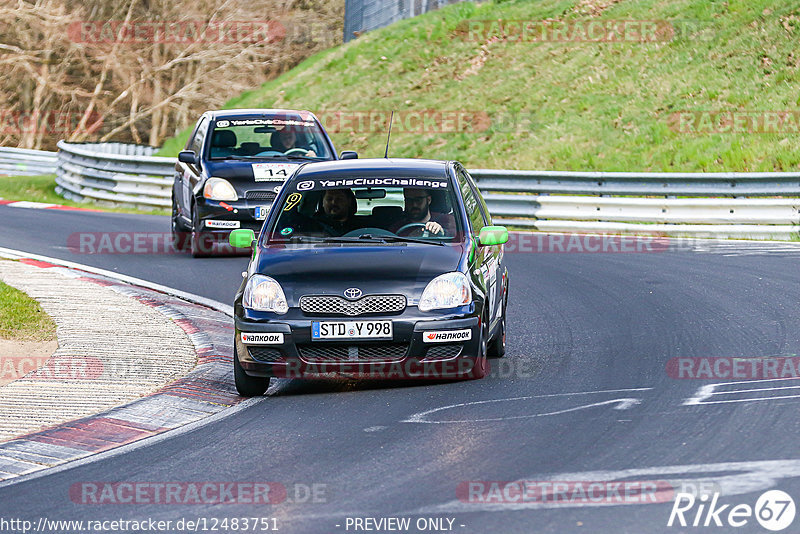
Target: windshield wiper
(402,239)
(362,238)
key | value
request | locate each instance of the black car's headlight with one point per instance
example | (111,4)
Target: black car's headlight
(263,293)
(219,189)
(448,290)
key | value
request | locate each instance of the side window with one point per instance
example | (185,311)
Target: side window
(486,216)
(199,135)
(471,204)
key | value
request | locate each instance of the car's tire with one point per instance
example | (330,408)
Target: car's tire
(480,367)
(179,231)
(200,246)
(497,347)
(246,385)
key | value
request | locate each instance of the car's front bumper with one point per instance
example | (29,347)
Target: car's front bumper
(407,355)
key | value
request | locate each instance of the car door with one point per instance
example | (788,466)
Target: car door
(190,174)
(485,263)
(494,257)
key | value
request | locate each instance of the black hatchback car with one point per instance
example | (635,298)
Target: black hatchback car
(233,165)
(382,268)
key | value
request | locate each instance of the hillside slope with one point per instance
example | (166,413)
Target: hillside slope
(566,104)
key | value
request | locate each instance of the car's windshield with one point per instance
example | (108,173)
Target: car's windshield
(365,209)
(291,137)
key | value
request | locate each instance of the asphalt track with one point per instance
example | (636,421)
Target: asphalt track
(583,395)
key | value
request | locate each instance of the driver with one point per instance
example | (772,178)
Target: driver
(418,211)
(285,139)
(338,214)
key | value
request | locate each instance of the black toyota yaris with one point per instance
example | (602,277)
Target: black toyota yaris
(385,268)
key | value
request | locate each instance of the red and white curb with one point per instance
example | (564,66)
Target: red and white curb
(41,205)
(204,392)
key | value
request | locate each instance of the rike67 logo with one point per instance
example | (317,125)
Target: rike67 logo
(774,510)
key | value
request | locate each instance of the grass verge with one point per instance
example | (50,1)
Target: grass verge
(21,317)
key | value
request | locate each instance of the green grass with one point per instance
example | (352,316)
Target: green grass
(43,189)
(573,106)
(21,317)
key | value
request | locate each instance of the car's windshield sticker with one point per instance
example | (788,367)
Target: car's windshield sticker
(292,201)
(264,122)
(372,182)
(287,231)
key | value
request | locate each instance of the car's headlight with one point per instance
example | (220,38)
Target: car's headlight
(219,189)
(449,290)
(262,293)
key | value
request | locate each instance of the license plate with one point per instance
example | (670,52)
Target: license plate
(261,212)
(351,330)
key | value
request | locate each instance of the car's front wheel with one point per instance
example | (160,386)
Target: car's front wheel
(497,348)
(480,367)
(177,228)
(201,245)
(246,385)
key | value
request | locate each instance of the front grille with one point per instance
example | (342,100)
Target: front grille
(260,195)
(370,304)
(328,352)
(442,352)
(265,354)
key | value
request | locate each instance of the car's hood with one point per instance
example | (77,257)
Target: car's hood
(329,270)
(249,175)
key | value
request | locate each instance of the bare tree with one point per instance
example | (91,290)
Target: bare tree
(141,70)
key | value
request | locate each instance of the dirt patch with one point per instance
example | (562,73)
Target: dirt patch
(593,8)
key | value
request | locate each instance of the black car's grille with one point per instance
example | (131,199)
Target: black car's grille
(370,304)
(328,352)
(265,354)
(442,352)
(260,195)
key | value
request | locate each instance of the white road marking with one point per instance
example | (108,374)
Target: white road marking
(731,478)
(622,404)
(709,390)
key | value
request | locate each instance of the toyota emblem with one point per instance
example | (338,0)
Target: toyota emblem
(352,293)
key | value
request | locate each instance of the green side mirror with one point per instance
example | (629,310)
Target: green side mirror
(493,235)
(242,238)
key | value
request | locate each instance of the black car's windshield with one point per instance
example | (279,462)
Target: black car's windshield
(358,210)
(287,137)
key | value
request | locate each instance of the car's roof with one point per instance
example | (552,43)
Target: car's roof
(227,113)
(373,167)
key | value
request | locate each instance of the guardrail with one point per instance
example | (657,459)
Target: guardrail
(114,172)
(673,204)
(24,162)
(556,201)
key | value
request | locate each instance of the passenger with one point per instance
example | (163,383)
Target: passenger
(418,211)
